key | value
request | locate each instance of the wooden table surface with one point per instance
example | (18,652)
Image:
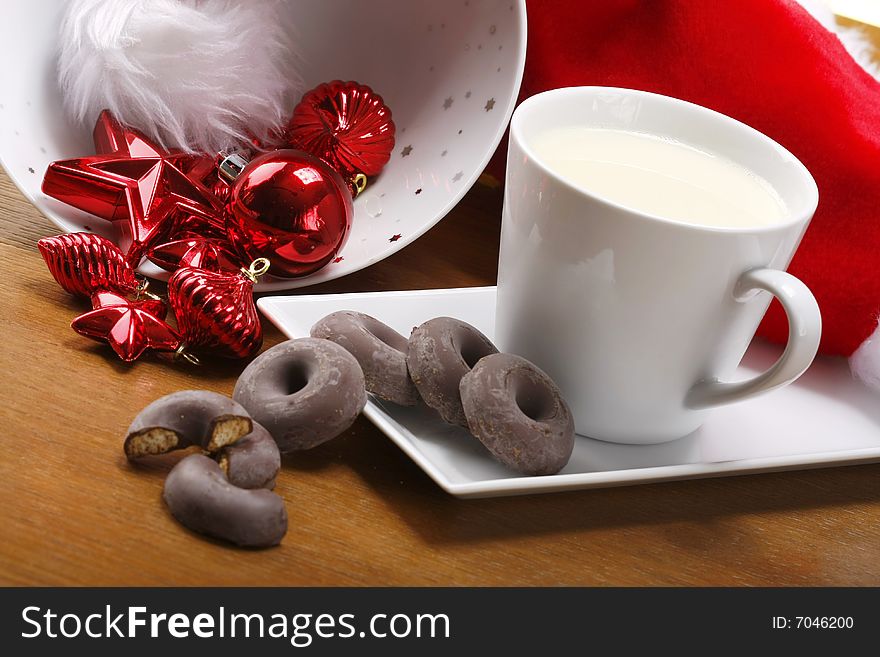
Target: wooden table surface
(74,511)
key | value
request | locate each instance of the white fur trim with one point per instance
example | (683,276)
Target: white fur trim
(193,74)
(860,47)
(853,39)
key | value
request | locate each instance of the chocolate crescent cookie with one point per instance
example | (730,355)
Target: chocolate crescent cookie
(304,392)
(201,498)
(519,414)
(378,348)
(439,353)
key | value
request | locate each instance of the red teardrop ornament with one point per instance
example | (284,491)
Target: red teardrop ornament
(215,311)
(83,263)
(345,123)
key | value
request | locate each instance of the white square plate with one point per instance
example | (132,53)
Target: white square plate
(825,418)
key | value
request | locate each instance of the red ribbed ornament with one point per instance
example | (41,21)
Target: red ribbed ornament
(84,263)
(346,124)
(215,311)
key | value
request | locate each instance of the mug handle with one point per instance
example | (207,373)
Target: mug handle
(804,331)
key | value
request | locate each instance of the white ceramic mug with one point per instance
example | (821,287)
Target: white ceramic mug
(642,321)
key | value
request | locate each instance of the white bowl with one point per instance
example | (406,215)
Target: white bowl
(450,72)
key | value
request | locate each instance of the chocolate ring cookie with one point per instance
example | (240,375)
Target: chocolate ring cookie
(378,348)
(439,353)
(201,498)
(186,418)
(519,414)
(304,392)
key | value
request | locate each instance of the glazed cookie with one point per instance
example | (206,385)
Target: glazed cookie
(378,348)
(201,498)
(186,418)
(439,353)
(253,461)
(304,392)
(519,414)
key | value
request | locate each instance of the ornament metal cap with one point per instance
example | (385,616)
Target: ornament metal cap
(230,165)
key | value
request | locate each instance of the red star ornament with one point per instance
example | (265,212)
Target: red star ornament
(134,184)
(130,327)
(152,304)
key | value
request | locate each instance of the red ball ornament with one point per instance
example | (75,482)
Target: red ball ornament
(83,263)
(215,311)
(346,124)
(289,207)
